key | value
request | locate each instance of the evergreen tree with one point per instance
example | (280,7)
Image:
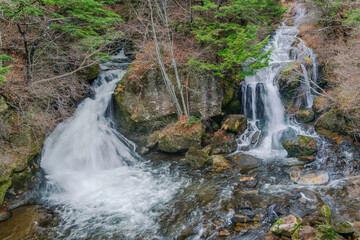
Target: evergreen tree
(230,30)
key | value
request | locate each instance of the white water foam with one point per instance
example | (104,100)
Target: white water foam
(261,98)
(96,182)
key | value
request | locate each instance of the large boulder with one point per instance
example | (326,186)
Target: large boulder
(300,146)
(196,157)
(305,115)
(144,104)
(177,137)
(235,123)
(245,163)
(222,142)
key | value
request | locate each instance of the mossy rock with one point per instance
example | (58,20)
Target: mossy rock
(196,158)
(90,73)
(222,142)
(305,116)
(333,121)
(301,146)
(235,123)
(286,226)
(177,138)
(327,232)
(4,186)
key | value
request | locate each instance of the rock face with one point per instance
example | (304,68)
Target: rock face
(235,123)
(286,226)
(222,142)
(143,102)
(301,146)
(176,138)
(315,178)
(196,158)
(18,168)
(305,115)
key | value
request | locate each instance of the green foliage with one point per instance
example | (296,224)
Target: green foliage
(4,70)
(325,213)
(83,18)
(230,30)
(192,120)
(86,22)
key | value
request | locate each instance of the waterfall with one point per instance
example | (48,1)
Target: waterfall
(262,104)
(95,181)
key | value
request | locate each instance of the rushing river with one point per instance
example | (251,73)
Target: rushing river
(98,187)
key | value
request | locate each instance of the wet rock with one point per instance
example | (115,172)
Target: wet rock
(176,137)
(196,158)
(307,159)
(252,192)
(245,163)
(305,116)
(306,233)
(224,233)
(235,123)
(301,146)
(321,105)
(240,219)
(222,142)
(219,162)
(286,226)
(260,108)
(144,150)
(249,182)
(256,138)
(315,178)
(344,228)
(4,215)
(288,162)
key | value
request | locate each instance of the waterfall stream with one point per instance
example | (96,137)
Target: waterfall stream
(95,179)
(262,103)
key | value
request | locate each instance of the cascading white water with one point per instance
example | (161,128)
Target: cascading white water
(96,182)
(262,103)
